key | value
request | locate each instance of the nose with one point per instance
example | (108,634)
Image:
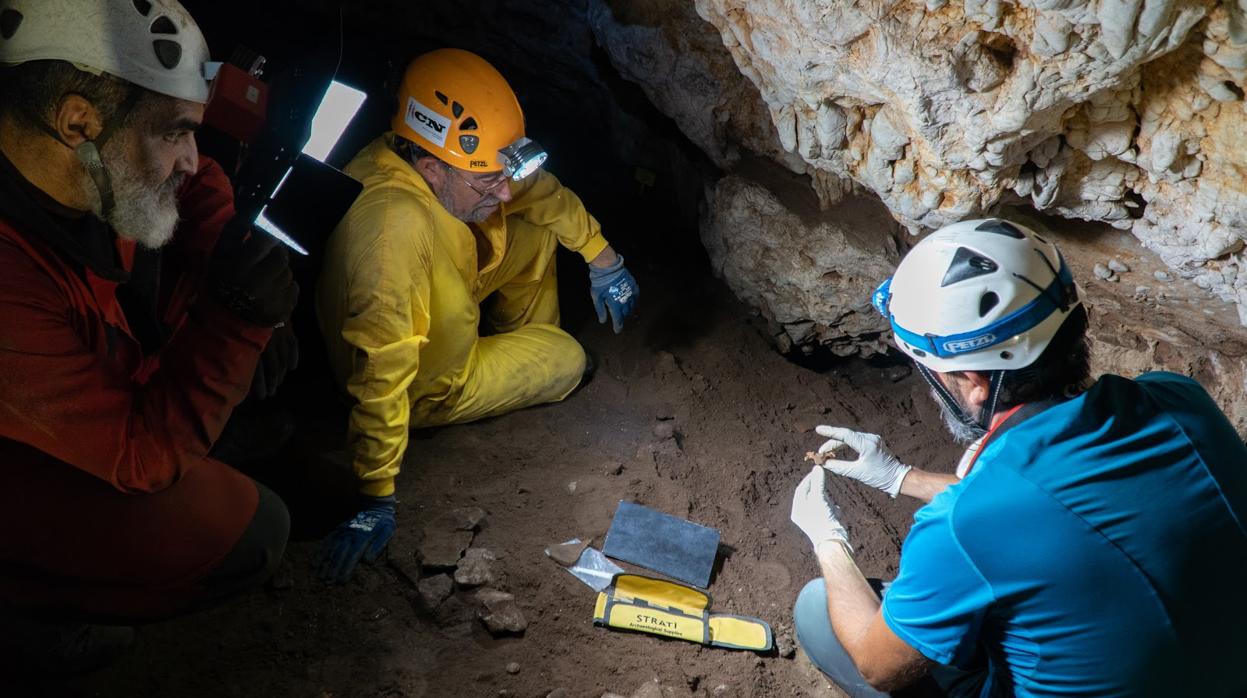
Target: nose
(187,161)
(504,191)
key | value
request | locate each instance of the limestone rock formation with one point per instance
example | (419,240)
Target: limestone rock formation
(1120,111)
(811,275)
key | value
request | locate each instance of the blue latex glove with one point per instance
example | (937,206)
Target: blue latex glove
(613,289)
(363,536)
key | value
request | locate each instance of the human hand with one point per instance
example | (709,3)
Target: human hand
(250,274)
(280,357)
(364,536)
(814,514)
(874,466)
(613,289)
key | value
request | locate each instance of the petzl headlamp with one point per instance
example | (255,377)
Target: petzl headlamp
(521,158)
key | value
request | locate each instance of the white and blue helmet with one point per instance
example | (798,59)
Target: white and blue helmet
(981,295)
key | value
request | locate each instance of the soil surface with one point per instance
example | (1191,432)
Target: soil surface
(743,418)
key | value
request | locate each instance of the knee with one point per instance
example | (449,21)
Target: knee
(810,611)
(258,552)
(570,364)
(271,529)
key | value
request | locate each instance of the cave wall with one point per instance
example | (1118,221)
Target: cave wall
(1119,111)
(1111,115)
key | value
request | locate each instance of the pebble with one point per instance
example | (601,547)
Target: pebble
(1162,276)
(513,668)
(613,468)
(1102,271)
(434,590)
(649,689)
(504,615)
(440,549)
(1118,266)
(465,518)
(475,568)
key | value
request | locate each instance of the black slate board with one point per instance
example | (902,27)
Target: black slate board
(677,548)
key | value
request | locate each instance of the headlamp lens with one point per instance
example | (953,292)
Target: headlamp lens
(522,158)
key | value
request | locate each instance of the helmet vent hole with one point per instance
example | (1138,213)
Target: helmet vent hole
(999,227)
(164,25)
(918,352)
(469,124)
(456,109)
(169,53)
(10,20)
(144,7)
(967,264)
(1006,355)
(441,97)
(988,301)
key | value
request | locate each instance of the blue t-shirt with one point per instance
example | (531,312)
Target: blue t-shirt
(1097,548)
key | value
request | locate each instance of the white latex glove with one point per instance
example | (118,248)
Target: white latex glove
(817,517)
(875,465)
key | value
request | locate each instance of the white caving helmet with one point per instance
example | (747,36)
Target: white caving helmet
(154,44)
(982,295)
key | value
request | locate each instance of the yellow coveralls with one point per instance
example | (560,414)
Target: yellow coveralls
(399,303)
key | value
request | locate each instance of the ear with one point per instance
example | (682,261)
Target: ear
(433,171)
(977,387)
(76,120)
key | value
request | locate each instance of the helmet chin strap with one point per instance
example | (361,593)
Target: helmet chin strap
(984,421)
(88,152)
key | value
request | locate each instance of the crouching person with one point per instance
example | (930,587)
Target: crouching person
(1092,541)
(119,365)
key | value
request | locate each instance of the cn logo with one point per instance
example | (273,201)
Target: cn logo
(428,121)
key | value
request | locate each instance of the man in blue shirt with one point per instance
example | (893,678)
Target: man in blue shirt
(1094,540)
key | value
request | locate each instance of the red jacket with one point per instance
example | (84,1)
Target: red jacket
(75,381)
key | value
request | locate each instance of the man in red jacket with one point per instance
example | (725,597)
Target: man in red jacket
(120,364)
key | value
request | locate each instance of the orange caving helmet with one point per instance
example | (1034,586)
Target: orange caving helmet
(457,106)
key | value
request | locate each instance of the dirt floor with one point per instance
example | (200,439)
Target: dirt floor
(743,418)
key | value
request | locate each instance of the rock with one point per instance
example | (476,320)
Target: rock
(513,668)
(785,644)
(1118,266)
(442,549)
(566,554)
(1091,109)
(899,372)
(1162,276)
(649,689)
(434,590)
(809,272)
(476,568)
(664,430)
(502,614)
(452,612)
(461,519)
(613,468)
(1102,272)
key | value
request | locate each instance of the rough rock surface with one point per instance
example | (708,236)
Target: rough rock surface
(811,275)
(1120,111)
(502,615)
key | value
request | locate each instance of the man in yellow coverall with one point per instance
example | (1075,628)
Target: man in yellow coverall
(455,213)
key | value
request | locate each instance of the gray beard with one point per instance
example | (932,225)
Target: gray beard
(962,433)
(143,212)
(476,215)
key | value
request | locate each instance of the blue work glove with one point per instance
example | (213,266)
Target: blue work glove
(613,289)
(363,536)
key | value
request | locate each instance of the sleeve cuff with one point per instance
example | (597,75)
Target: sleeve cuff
(593,248)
